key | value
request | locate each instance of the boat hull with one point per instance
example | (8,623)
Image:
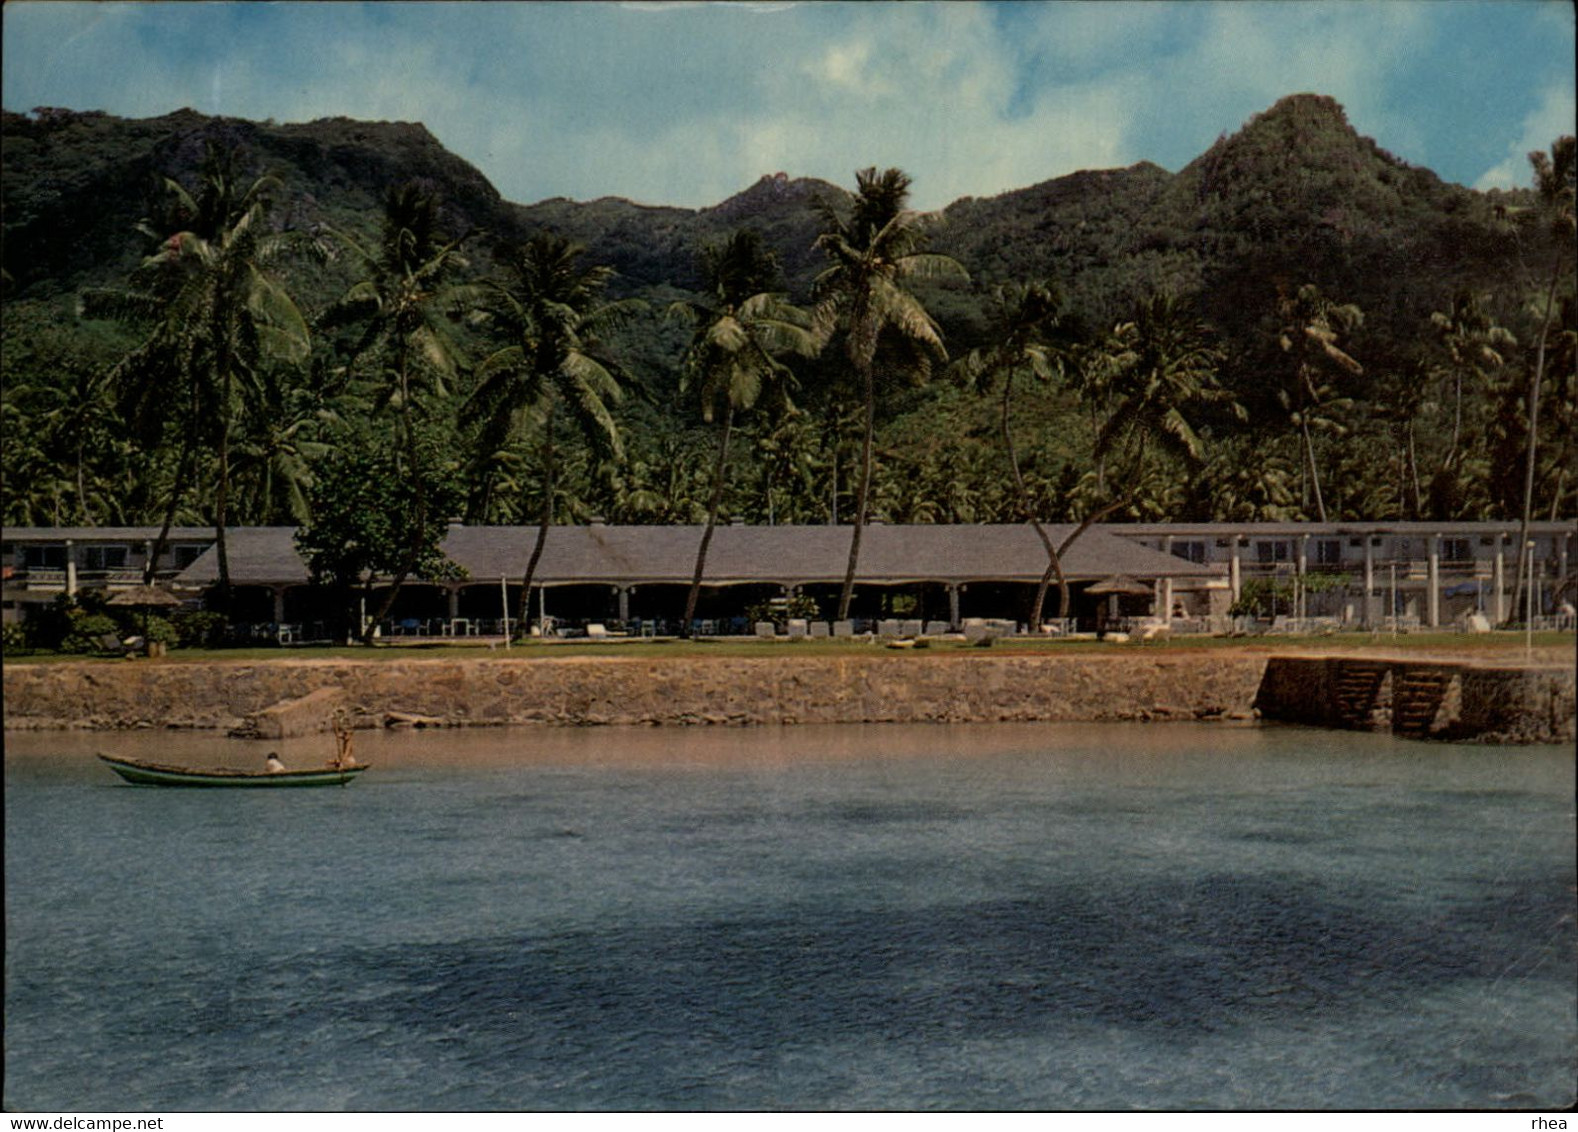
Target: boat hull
(152,774)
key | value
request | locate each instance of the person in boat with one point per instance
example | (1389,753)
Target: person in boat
(342,739)
(272,764)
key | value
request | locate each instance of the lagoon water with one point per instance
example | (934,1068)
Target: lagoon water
(1003,917)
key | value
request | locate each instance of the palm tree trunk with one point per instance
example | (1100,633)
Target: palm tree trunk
(1534,437)
(221,518)
(544,522)
(1457,421)
(1309,451)
(1054,560)
(712,521)
(861,497)
(82,490)
(183,468)
(1056,565)
(1413,473)
(419,505)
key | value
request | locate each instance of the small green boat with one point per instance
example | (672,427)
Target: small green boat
(154,774)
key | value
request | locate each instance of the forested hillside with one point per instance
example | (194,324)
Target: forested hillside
(215,320)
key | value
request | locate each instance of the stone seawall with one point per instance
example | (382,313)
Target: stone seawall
(1423,698)
(959,688)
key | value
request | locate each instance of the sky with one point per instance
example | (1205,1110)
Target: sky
(686,103)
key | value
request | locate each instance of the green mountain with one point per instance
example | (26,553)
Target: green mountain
(1294,197)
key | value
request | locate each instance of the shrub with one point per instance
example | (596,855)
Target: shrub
(160,632)
(780,611)
(87,631)
(199,629)
(13,640)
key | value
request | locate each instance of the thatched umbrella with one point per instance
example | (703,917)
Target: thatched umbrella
(145,598)
(1120,584)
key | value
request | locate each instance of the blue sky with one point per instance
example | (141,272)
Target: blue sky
(687,103)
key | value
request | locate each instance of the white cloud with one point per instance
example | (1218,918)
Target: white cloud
(1551,118)
(684,104)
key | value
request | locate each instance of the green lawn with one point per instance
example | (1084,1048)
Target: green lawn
(1508,644)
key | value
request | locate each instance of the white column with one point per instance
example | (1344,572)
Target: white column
(953,606)
(71,567)
(1433,602)
(1499,582)
(1235,573)
(279,604)
(1301,610)
(1369,581)
(454,602)
(624,602)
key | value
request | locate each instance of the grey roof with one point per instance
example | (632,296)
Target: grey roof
(105,534)
(795,555)
(1408,528)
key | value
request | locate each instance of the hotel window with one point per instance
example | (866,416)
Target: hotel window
(1189,551)
(104,557)
(186,555)
(1328,552)
(1269,552)
(44,557)
(1456,550)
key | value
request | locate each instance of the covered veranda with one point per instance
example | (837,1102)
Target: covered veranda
(635,579)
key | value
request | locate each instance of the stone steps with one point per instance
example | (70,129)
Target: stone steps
(1417,696)
(1356,692)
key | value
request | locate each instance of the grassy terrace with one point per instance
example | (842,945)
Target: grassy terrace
(1510,647)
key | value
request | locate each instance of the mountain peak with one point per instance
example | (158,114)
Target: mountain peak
(770,191)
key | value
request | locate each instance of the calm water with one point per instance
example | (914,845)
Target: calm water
(1004,917)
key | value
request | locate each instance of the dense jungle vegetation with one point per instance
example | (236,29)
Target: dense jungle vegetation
(343,326)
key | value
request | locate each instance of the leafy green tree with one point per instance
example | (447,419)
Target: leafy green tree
(366,519)
(1312,326)
(733,362)
(1245,485)
(1027,318)
(873,252)
(403,308)
(549,314)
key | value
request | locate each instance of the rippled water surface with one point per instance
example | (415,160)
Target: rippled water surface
(991,917)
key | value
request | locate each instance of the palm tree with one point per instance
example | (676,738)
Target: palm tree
(218,316)
(275,455)
(873,252)
(1026,319)
(1164,371)
(786,457)
(733,358)
(1554,178)
(404,305)
(1474,345)
(1398,400)
(549,314)
(1311,327)
(73,426)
